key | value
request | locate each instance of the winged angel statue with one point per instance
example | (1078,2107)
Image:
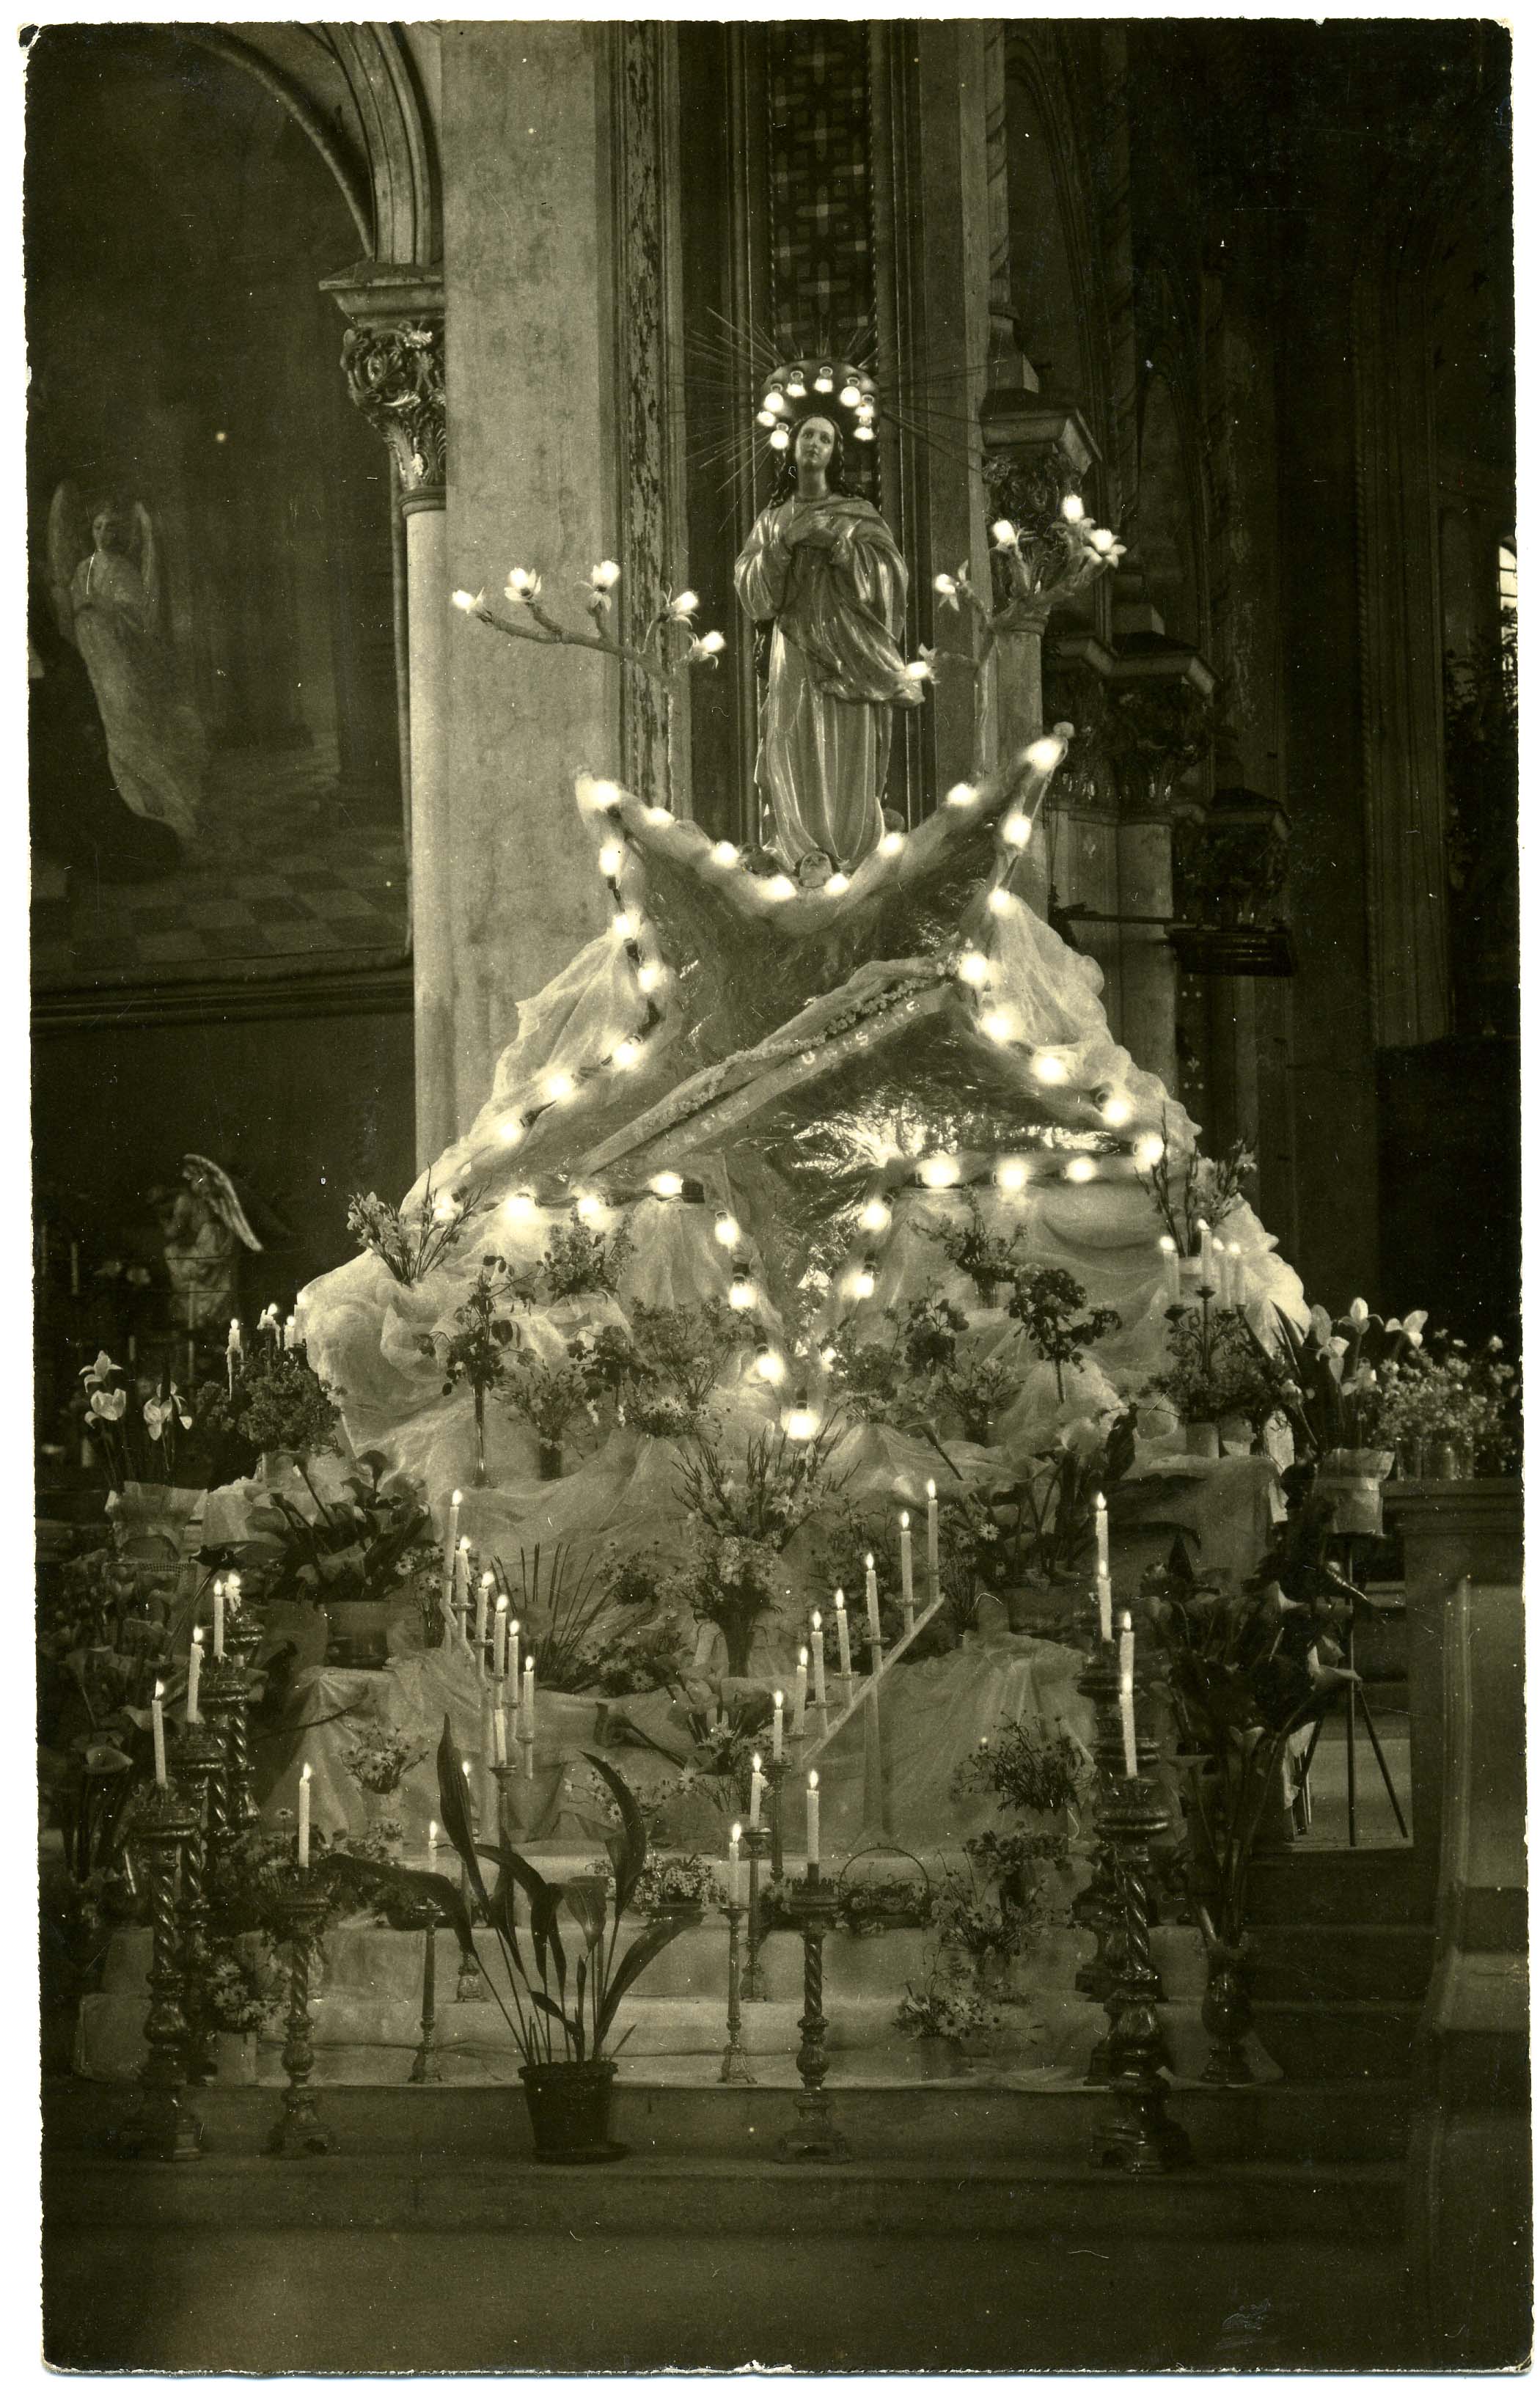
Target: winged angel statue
(105,578)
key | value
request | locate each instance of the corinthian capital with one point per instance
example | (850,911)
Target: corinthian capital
(396,376)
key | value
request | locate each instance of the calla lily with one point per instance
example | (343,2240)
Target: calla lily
(99,1368)
(682,606)
(1358,1311)
(947,588)
(108,1406)
(1320,1325)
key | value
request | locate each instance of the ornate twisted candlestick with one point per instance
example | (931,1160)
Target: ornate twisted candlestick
(1096,1906)
(220,1695)
(1108,1749)
(424,2068)
(1135,2133)
(735,2060)
(778,1860)
(815,2137)
(298,2127)
(200,1770)
(163,2121)
(752,1985)
(242,1637)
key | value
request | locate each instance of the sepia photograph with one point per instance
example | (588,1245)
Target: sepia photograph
(776,1372)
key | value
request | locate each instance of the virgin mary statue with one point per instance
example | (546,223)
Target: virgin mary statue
(822,568)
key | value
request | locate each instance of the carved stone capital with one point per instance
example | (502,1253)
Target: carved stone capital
(393,357)
(1159,722)
(1036,454)
(1229,867)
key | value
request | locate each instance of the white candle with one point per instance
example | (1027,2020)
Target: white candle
(1125,1696)
(500,1640)
(841,1626)
(157,1729)
(462,1585)
(819,1694)
(304,1816)
(1104,1562)
(812,1818)
(777,1731)
(433,1841)
(1205,1237)
(526,1719)
(484,1599)
(234,1349)
(933,1541)
(499,1740)
(1171,1270)
(1104,1605)
(452,1533)
(906,1567)
(756,1790)
(195,1671)
(873,1622)
(513,1658)
(799,1705)
(218,1618)
(735,1872)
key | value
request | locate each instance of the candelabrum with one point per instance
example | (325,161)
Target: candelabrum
(1135,2133)
(815,2137)
(752,1986)
(298,2129)
(199,1769)
(163,2121)
(424,2070)
(735,2060)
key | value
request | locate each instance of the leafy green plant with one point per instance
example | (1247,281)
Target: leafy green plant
(1050,1305)
(1025,1767)
(660,1374)
(563,1595)
(1046,1518)
(366,1543)
(580,1259)
(412,1242)
(989,1259)
(547,1396)
(279,1404)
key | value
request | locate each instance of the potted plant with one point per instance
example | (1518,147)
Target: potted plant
(547,1396)
(566,1984)
(137,1424)
(1453,1414)
(357,1559)
(989,1260)
(945,2018)
(1216,1370)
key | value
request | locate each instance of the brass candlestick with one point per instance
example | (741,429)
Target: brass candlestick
(1109,1750)
(424,2068)
(752,1987)
(200,1770)
(1136,2135)
(163,2122)
(298,2129)
(735,2060)
(815,2137)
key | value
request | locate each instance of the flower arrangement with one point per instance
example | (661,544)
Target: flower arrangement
(658,1376)
(582,1259)
(922,1380)
(1050,1306)
(548,1395)
(743,1515)
(1343,1372)
(378,1758)
(1217,1368)
(1046,1518)
(1025,1767)
(277,1404)
(562,1597)
(1447,1399)
(477,1354)
(678,1885)
(946,2007)
(410,1243)
(366,1543)
(990,1260)
(116,1411)
(1203,1194)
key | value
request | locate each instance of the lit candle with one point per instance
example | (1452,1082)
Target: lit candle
(905,1568)
(304,1816)
(512,1666)
(872,1620)
(195,1671)
(218,1618)
(500,1640)
(433,1841)
(1104,1563)
(735,1837)
(452,1533)
(234,1349)
(813,1819)
(841,1627)
(1171,1270)
(819,1694)
(499,1736)
(799,1707)
(1205,1237)
(1103,1605)
(462,1585)
(484,1599)
(933,1542)
(526,1716)
(1125,1695)
(777,1731)
(756,1788)
(157,1729)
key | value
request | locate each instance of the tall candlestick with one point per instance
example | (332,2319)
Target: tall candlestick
(933,1542)
(735,1870)
(841,1626)
(500,1640)
(499,1742)
(813,1819)
(799,1705)
(1103,1561)
(218,1618)
(1205,1237)
(158,1730)
(905,1568)
(1103,1607)
(304,1816)
(778,1728)
(757,1789)
(1125,1695)
(195,1671)
(819,1695)
(1171,1270)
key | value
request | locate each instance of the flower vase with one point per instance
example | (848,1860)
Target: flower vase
(551,1461)
(149,1521)
(1351,1479)
(234,2058)
(1227,2017)
(381,1818)
(939,2057)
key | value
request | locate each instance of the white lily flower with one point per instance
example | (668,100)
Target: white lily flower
(683,605)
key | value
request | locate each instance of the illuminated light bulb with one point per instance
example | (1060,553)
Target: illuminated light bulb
(864,433)
(725,854)
(802,1421)
(828,1356)
(1045,753)
(961,796)
(598,793)
(780,888)
(740,1291)
(850,395)
(765,417)
(1080,1171)
(622,926)
(823,379)
(1011,1176)
(1072,507)
(780,439)
(876,1217)
(560,1088)
(625,1054)
(796,388)
(668,1185)
(1016,831)
(1001,902)
(974,968)
(511,1131)
(998,1024)
(1168,1243)
(1148,1150)
(728,1233)
(606,575)
(659,816)
(1102,539)
(650,976)
(467,601)
(939,1170)
(1117,1110)
(919,671)
(775,403)
(589,1205)
(864,1283)
(839,882)
(444,1211)
(892,843)
(867,411)
(770,1366)
(1048,1068)
(519,1205)
(1004,534)
(611,860)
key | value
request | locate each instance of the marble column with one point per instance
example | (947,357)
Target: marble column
(392,356)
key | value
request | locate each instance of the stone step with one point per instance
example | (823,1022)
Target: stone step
(1327,1965)
(1366,2040)
(677,2108)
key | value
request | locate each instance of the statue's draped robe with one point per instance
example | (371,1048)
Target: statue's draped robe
(154,742)
(835,674)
